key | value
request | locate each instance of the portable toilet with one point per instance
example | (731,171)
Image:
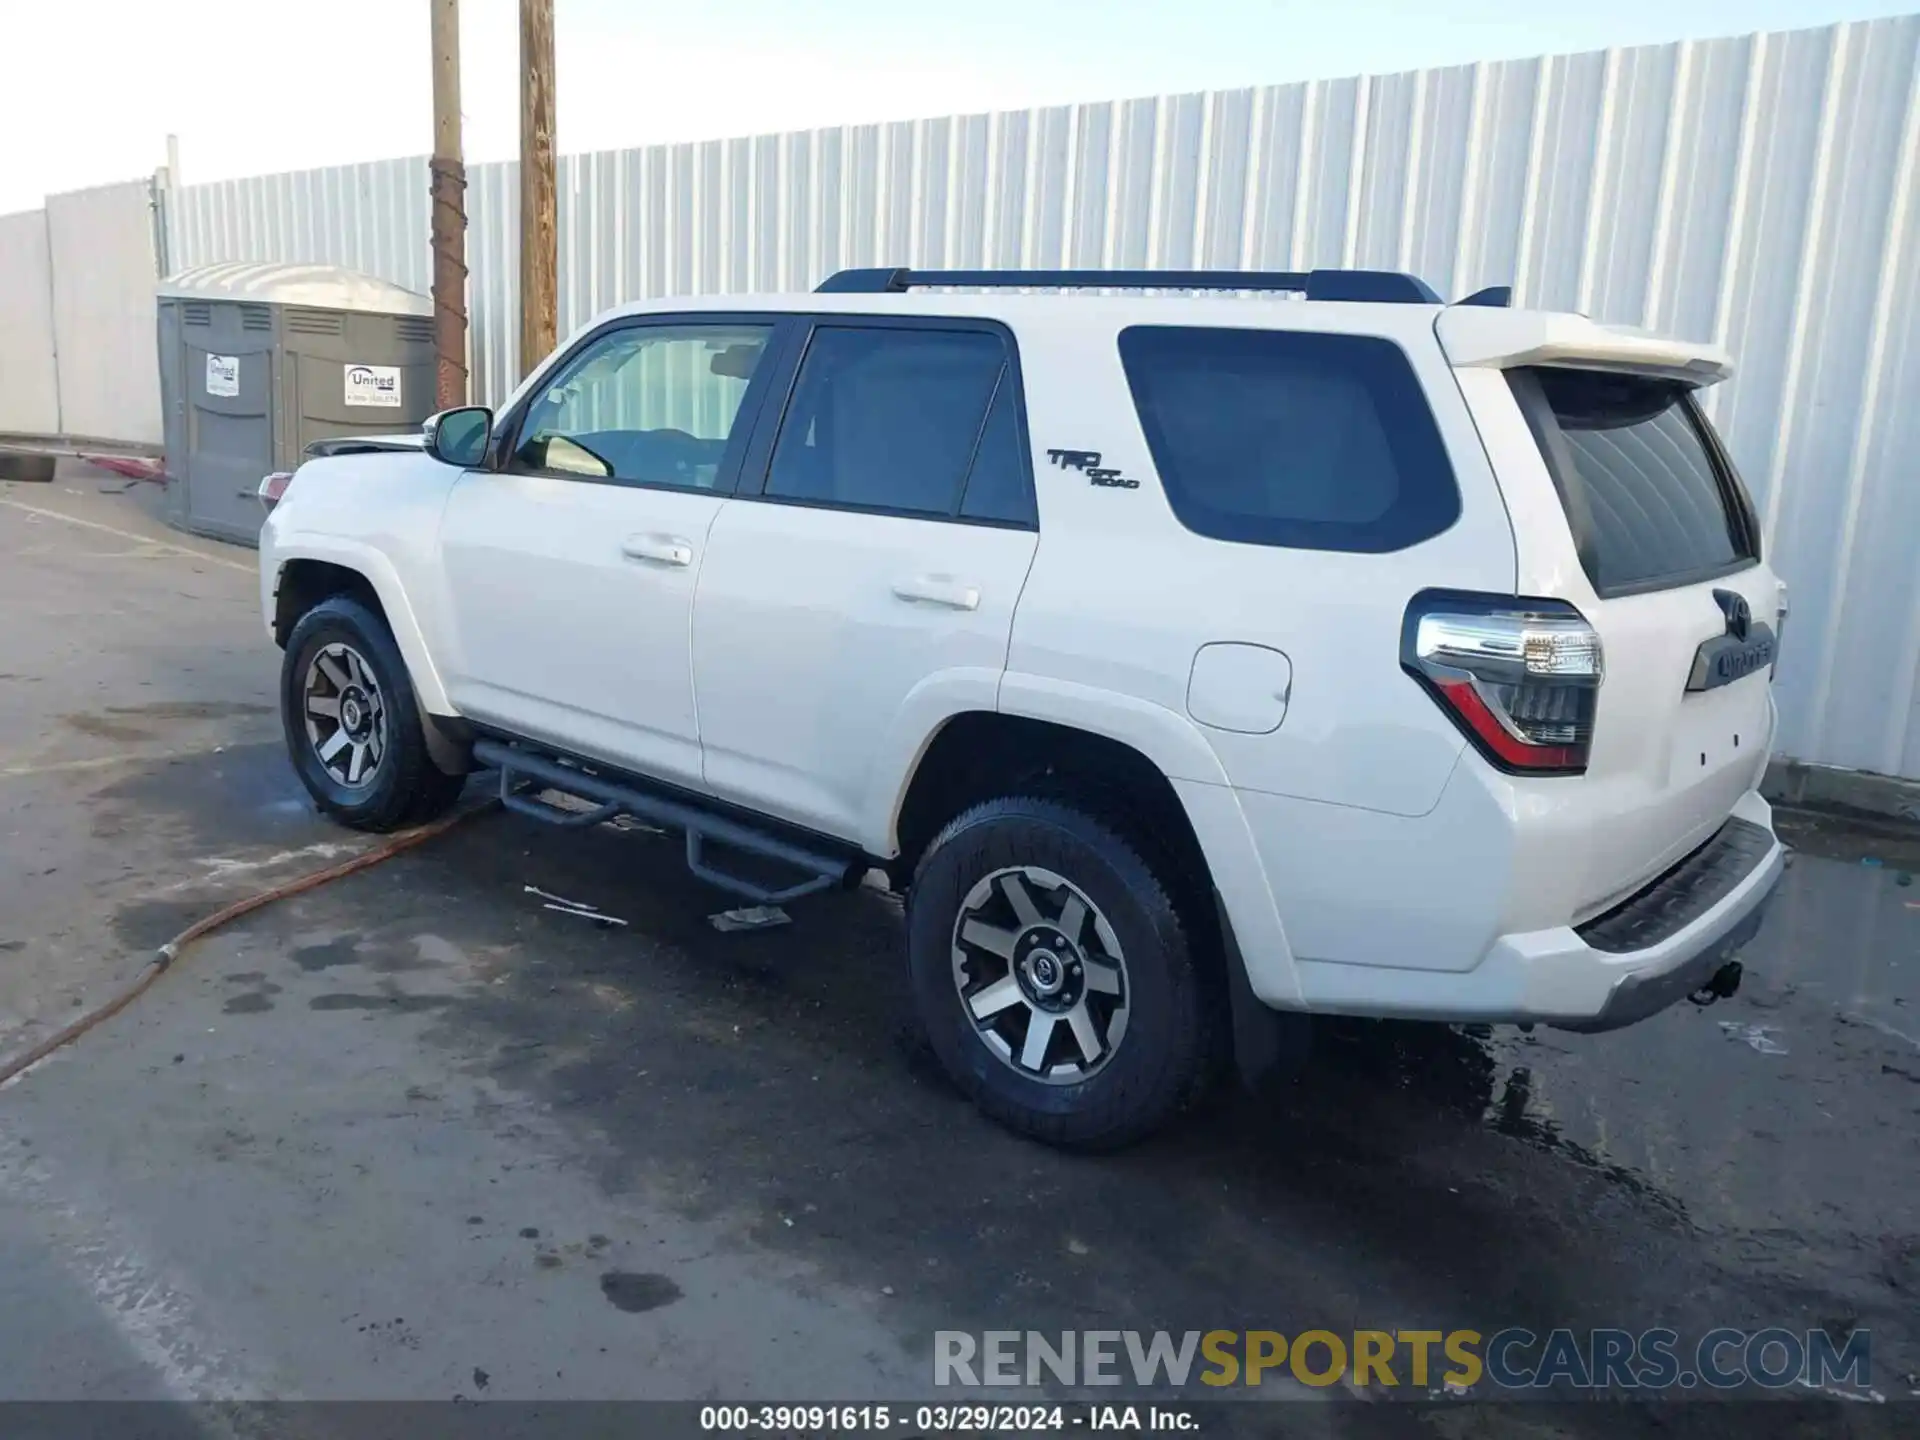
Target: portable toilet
(259,361)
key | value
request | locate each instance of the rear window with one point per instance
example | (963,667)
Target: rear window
(1276,437)
(1651,501)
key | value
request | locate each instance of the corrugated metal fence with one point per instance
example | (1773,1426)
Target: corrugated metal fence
(29,384)
(1756,191)
(77,317)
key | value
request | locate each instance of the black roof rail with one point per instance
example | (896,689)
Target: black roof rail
(1497,296)
(1369,285)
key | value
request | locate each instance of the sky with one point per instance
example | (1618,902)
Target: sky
(92,88)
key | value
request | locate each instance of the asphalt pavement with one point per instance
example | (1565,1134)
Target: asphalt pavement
(414,1136)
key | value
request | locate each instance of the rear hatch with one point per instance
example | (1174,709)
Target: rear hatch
(1627,508)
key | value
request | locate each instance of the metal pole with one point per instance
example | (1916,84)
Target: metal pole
(449,202)
(165,182)
(539,231)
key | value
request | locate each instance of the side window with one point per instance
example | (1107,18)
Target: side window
(1281,437)
(889,418)
(651,403)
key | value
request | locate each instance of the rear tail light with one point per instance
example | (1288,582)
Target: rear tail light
(1520,677)
(273,487)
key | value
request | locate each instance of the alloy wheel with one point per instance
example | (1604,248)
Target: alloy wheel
(346,715)
(1041,975)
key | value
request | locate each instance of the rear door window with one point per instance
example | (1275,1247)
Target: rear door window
(1277,437)
(1650,499)
(904,420)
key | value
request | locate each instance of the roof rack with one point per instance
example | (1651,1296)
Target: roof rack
(1390,286)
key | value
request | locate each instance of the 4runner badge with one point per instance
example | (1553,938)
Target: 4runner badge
(1088,462)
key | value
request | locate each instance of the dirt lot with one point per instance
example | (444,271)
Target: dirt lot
(413,1136)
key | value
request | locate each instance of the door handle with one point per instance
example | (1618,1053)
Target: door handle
(661,549)
(939,590)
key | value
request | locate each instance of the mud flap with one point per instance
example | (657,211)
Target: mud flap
(449,741)
(1270,1046)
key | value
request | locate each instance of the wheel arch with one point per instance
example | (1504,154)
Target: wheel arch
(981,754)
(1157,760)
(1167,743)
(314,573)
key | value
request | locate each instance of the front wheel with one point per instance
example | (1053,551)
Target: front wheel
(353,730)
(1056,980)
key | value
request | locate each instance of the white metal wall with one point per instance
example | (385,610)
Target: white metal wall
(29,396)
(1757,191)
(104,315)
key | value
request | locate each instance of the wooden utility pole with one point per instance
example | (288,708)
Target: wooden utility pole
(539,230)
(449,200)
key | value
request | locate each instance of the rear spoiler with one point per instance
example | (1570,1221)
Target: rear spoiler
(1493,339)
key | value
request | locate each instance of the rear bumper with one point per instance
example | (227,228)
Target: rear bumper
(1646,992)
(1682,928)
(1740,854)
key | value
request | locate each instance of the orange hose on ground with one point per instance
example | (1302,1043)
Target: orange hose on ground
(168,953)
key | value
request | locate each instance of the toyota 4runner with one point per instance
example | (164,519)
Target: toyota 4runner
(1193,662)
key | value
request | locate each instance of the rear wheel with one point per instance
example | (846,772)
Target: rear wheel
(1055,977)
(353,730)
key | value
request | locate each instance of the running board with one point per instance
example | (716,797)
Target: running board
(522,773)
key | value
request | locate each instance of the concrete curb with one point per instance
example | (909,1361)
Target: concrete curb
(1855,792)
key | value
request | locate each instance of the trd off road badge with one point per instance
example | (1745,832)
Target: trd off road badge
(1088,463)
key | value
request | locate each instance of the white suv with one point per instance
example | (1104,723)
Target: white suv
(1191,662)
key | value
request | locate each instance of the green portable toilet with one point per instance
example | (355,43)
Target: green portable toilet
(257,361)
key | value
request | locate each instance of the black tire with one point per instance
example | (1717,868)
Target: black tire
(36,469)
(1174,1032)
(405,787)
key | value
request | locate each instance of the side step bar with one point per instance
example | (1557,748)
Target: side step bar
(522,773)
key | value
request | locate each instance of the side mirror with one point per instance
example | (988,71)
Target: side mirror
(459,437)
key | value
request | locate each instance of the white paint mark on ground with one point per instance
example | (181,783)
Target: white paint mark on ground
(98,762)
(1758,1037)
(222,867)
(186,551)
(24,771)
(153,1310)
(1883,1027)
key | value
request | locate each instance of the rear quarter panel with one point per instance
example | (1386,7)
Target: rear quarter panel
(1122,596)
